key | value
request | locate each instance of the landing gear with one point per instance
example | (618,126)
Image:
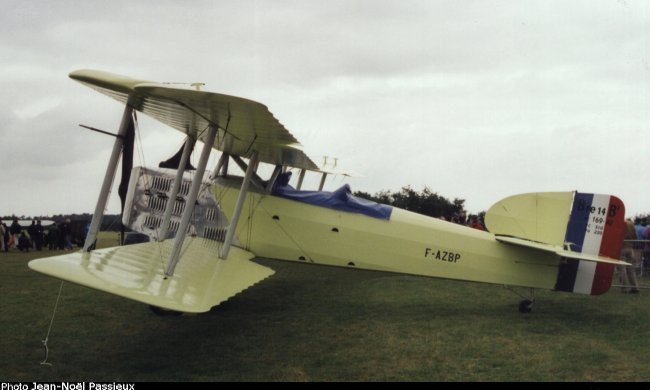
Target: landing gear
(526,306)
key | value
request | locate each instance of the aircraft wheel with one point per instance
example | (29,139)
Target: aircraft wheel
(525,306)
(159,311)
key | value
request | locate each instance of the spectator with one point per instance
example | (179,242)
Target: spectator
(639,226)
(85,231)
(53,238)
(15,229)
(38,236)
(631,255)
(31,230)
(646,247)
(6,236)
(23,242)
(2,237)
(66,234)
(476,223)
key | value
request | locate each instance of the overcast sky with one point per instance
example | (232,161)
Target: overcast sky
(475,99)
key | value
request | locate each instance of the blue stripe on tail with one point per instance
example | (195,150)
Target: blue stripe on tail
(575,235)
(578,221)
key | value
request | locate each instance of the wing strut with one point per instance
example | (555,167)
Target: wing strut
(250,170)
(274,177)
(222,165)
(127,121)
(301,178)
(322,181)
(243,166)
(187,150)
(191,200)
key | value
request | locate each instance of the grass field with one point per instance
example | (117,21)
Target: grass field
(311,323)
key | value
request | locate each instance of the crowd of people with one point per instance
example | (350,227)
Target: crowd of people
(35,236)
(636,251)
(473,221)
(642,230)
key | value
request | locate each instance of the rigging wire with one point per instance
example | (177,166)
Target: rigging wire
(251,209)
(49,329)
(289,236)
(138,140)
(147,182)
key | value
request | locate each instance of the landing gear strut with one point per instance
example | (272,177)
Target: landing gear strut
(525,305)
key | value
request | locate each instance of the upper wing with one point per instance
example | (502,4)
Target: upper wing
(243,125)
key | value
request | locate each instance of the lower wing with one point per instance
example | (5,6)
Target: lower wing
(137,272)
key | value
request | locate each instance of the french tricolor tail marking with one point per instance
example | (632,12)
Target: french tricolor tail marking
(597,227)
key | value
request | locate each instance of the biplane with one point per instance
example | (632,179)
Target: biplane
(207,227)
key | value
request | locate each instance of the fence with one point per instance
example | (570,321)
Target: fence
(636,252)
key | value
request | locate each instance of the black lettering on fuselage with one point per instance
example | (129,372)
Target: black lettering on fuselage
(451,257)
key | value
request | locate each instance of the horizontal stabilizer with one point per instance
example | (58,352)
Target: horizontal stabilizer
(559,250)
(201,280)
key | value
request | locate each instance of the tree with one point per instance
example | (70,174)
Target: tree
(424,202)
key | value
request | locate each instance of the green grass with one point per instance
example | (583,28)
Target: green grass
(311,323)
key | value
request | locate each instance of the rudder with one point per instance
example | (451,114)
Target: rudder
(596,227)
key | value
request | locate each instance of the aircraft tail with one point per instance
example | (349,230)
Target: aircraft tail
(596,227)
(585,230)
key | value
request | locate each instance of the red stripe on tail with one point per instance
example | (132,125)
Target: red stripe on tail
(611,245)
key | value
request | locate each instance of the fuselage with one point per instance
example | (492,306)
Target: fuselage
(278,228)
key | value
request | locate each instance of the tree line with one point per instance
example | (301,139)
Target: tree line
(424,202)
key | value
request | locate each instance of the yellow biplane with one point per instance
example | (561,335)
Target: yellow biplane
(206,230)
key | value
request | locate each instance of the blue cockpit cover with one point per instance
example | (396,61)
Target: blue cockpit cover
(341,199)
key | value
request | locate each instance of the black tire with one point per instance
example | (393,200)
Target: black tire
(525,306)
(159,311)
